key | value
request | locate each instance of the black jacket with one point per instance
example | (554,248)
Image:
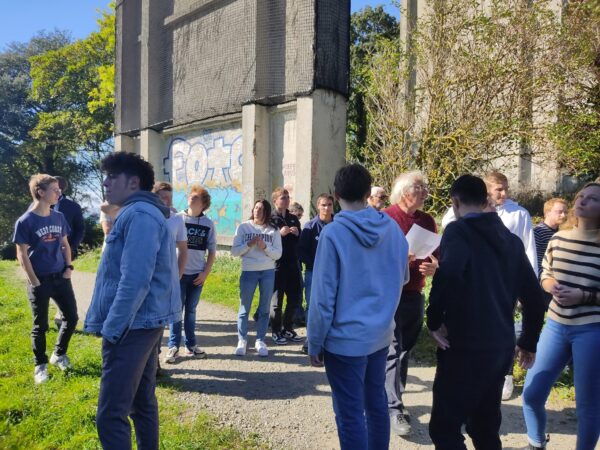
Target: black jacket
(72,212)
(289,242)
(483,271)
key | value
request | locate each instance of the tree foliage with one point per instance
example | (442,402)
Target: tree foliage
(56,101)
(489,78)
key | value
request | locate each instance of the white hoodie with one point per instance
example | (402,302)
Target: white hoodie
(517,220)
(253,258)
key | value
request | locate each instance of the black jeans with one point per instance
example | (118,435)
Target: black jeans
(127,390)
(409,321)
(288,282)
(61,291)
(467,389)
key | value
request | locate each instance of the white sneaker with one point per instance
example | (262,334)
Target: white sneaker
(40,373)
(261,348)
(62,361)
(171,355)
(240,350)
(507,389)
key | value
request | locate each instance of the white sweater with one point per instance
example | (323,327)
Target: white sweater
(253,258)
(517,220)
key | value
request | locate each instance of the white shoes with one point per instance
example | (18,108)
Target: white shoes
(261,348)
(171,355)
(240,350)
(62,361)
(507,389)
(40,373)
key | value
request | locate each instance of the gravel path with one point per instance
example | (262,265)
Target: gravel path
(287,402)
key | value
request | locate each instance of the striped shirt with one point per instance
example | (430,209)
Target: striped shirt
(573,259)
(542,234)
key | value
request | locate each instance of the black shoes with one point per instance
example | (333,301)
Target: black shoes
(291,336)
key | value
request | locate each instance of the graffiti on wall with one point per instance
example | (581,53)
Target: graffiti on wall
(213,159)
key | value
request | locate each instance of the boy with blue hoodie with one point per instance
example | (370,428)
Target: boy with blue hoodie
(359,270)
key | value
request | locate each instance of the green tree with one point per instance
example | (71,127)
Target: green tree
(367,27)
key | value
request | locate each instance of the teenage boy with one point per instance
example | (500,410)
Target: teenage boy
(555,214)
(201,245)
(307,247)
(518,221)
(73,214)
(288,279)
(408,194)
(351,317)
(483,270)
(136,295)
(45,255)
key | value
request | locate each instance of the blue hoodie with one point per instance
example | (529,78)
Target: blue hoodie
(360,268)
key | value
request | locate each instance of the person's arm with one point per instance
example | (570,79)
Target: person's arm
(106,226)
(274,249)
(138,262)
(182,253)
(25,262)
(66,249)
(325,284)
(448,278)
(528,239)
(304,245)
(240,248)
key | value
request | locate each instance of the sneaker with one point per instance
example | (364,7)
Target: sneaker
(305,348)
(400,425)
(40,373)
(240,350)
(171,355)
(292,336)
(507,389)
(261,348)
(195,351)
(279,339)
(62,361)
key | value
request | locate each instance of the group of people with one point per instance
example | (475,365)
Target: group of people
(363,286)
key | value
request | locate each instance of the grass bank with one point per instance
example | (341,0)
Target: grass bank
(60,414)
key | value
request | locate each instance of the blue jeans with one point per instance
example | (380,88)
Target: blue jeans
(190,295)
(558,343)
(265,279)
(359,399)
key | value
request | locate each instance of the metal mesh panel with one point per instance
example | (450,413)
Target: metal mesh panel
(207,58)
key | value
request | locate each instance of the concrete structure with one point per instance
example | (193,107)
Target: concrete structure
(240,96)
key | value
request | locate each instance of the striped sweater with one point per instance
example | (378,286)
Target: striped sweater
(573,259)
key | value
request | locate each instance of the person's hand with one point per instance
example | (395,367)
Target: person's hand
(36,283)
(285,231)
(567,296)
(428,269)
(67,273)
(411,257)
(440,336)
(525,358)
(316,360)
(252,241)
(260,243)
(295,231)
(200,279)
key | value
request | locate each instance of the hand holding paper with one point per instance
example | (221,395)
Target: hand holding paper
(422,242)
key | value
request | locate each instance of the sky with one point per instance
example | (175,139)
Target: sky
(21,20)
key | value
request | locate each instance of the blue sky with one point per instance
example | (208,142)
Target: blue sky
(21,20)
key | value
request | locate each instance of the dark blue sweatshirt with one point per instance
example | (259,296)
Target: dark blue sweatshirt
(72,212)
(309,239)
(483,270)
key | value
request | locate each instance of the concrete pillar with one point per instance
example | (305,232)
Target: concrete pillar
(152,150)
(256,174)
(124,143)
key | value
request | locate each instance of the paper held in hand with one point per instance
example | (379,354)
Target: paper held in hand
(422,242)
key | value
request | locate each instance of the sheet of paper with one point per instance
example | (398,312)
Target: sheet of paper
(422,242)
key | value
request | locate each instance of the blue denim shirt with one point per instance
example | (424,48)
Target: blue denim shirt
(137,284)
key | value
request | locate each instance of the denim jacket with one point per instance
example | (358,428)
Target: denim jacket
(137,284)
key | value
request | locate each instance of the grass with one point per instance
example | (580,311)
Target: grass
(60,414)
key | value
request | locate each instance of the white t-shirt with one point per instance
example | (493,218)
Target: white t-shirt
(201,237)
(177,227)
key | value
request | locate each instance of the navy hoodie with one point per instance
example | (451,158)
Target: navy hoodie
(483,270)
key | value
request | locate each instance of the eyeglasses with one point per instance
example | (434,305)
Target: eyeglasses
(420,188)
(382,196)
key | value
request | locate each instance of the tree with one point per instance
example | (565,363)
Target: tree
(367,27)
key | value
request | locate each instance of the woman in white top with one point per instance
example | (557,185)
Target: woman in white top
(259,245)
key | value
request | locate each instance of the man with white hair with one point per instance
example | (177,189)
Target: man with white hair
(408,196)
(377,198)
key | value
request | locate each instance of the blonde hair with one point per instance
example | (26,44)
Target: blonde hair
(278,192)
(572,221)
(403,183)
(495,177)
(40,181)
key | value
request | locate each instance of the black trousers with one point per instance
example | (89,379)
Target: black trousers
(127,389)
(467,389)
(409,321)
(288,282)
(61,291)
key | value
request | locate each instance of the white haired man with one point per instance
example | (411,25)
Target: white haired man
(377,198)
(408,196)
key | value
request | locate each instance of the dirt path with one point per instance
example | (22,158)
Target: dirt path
(287,402)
